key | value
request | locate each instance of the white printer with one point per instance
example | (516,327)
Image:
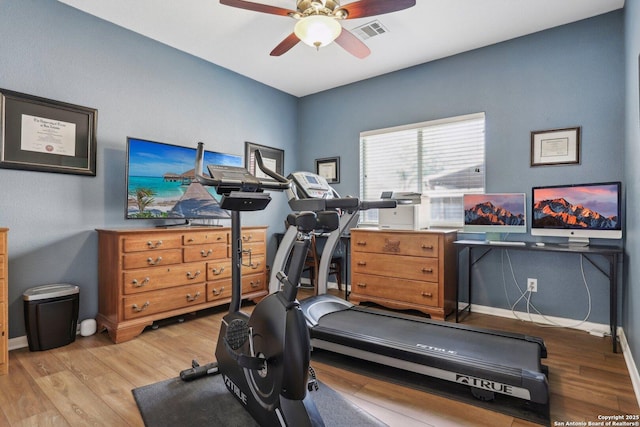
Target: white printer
(411,213)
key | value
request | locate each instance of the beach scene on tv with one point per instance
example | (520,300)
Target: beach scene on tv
(161,182)
(494,209)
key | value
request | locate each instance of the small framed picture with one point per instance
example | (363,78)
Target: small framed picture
(329,169)
(273,159)
(555,147)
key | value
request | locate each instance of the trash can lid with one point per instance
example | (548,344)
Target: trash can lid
(50,291)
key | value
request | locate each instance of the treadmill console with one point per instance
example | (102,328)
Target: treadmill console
(311,186)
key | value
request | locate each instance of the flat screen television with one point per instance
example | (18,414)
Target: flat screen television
(161,182)
(579,212)
(495,213)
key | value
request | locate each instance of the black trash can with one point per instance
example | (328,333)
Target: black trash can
(51,315)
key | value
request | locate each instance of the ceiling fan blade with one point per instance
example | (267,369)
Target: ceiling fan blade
(364,8)
(352,44)
(257,7)
(285,45)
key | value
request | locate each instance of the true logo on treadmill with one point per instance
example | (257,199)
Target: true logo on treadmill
(436,349)
(484,384)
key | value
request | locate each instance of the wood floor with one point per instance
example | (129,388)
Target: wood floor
(89,382)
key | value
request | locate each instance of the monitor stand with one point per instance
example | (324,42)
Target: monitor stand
(578,242)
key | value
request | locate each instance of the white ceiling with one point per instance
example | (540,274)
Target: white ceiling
(241,40)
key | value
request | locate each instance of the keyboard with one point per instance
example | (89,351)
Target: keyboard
(506,243)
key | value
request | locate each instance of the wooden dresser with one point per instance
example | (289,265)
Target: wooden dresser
(4,319)
(405,269)
(151,274)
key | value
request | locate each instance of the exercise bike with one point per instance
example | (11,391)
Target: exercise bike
(263,357)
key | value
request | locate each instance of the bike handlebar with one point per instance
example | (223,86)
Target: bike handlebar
(244,177)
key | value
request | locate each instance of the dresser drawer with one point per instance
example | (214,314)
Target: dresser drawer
(414,244)
(253,235)
(145,259)
(148,243)
(253,283)
(218,290)
(252,264)
(2,265)
(205,252)
(149,279)
(403,290)
(159,301)
(3,245)
(219,269)
(404,267)
(205,237)
(3,333)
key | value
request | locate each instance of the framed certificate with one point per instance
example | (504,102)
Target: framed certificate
(39,134)
(329,169)
(555,147)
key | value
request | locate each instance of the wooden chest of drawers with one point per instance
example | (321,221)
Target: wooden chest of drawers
(405,269)
(151,274)
(4,283)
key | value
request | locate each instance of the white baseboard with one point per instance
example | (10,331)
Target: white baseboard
(631,365)
(598,329)
(18,342)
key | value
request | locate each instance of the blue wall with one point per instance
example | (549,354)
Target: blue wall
(564,77)
(631,321)
(141,88)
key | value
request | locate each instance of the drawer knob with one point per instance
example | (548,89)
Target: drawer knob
(155,245)
(190,240)
(219,238)
(428,247)
(427,294)
(191,276)
(363,263)
(151,261)
(362,285)
(427,270)
(246,238)
(361,243)
(256,284)
(137,284)
(206,253)
(194,297)
(217,292)
(139,309)
(254,265)
(217,271)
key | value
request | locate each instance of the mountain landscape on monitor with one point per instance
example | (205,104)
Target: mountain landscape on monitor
(559,213)
(487,213)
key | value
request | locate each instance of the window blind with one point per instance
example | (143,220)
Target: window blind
(442,159)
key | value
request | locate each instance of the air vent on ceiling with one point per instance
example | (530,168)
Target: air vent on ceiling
(372,29)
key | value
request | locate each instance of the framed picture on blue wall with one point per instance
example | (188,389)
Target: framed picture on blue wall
(43,135)
(273,159)
(329,169)
(555,147)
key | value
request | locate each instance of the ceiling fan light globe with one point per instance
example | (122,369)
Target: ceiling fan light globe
(317,30)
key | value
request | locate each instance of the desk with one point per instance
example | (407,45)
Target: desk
(610,253)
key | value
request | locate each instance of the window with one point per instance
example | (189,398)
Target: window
(442,159)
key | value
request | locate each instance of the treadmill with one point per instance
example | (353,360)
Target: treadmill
(489,362)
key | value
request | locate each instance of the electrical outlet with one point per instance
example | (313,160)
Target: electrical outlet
(532,285)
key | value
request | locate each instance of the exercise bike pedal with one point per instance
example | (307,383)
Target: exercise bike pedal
(199,371)
(312,384)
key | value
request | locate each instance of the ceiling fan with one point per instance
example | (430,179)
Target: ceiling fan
(318,21)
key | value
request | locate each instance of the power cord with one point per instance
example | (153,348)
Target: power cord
(527,294)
